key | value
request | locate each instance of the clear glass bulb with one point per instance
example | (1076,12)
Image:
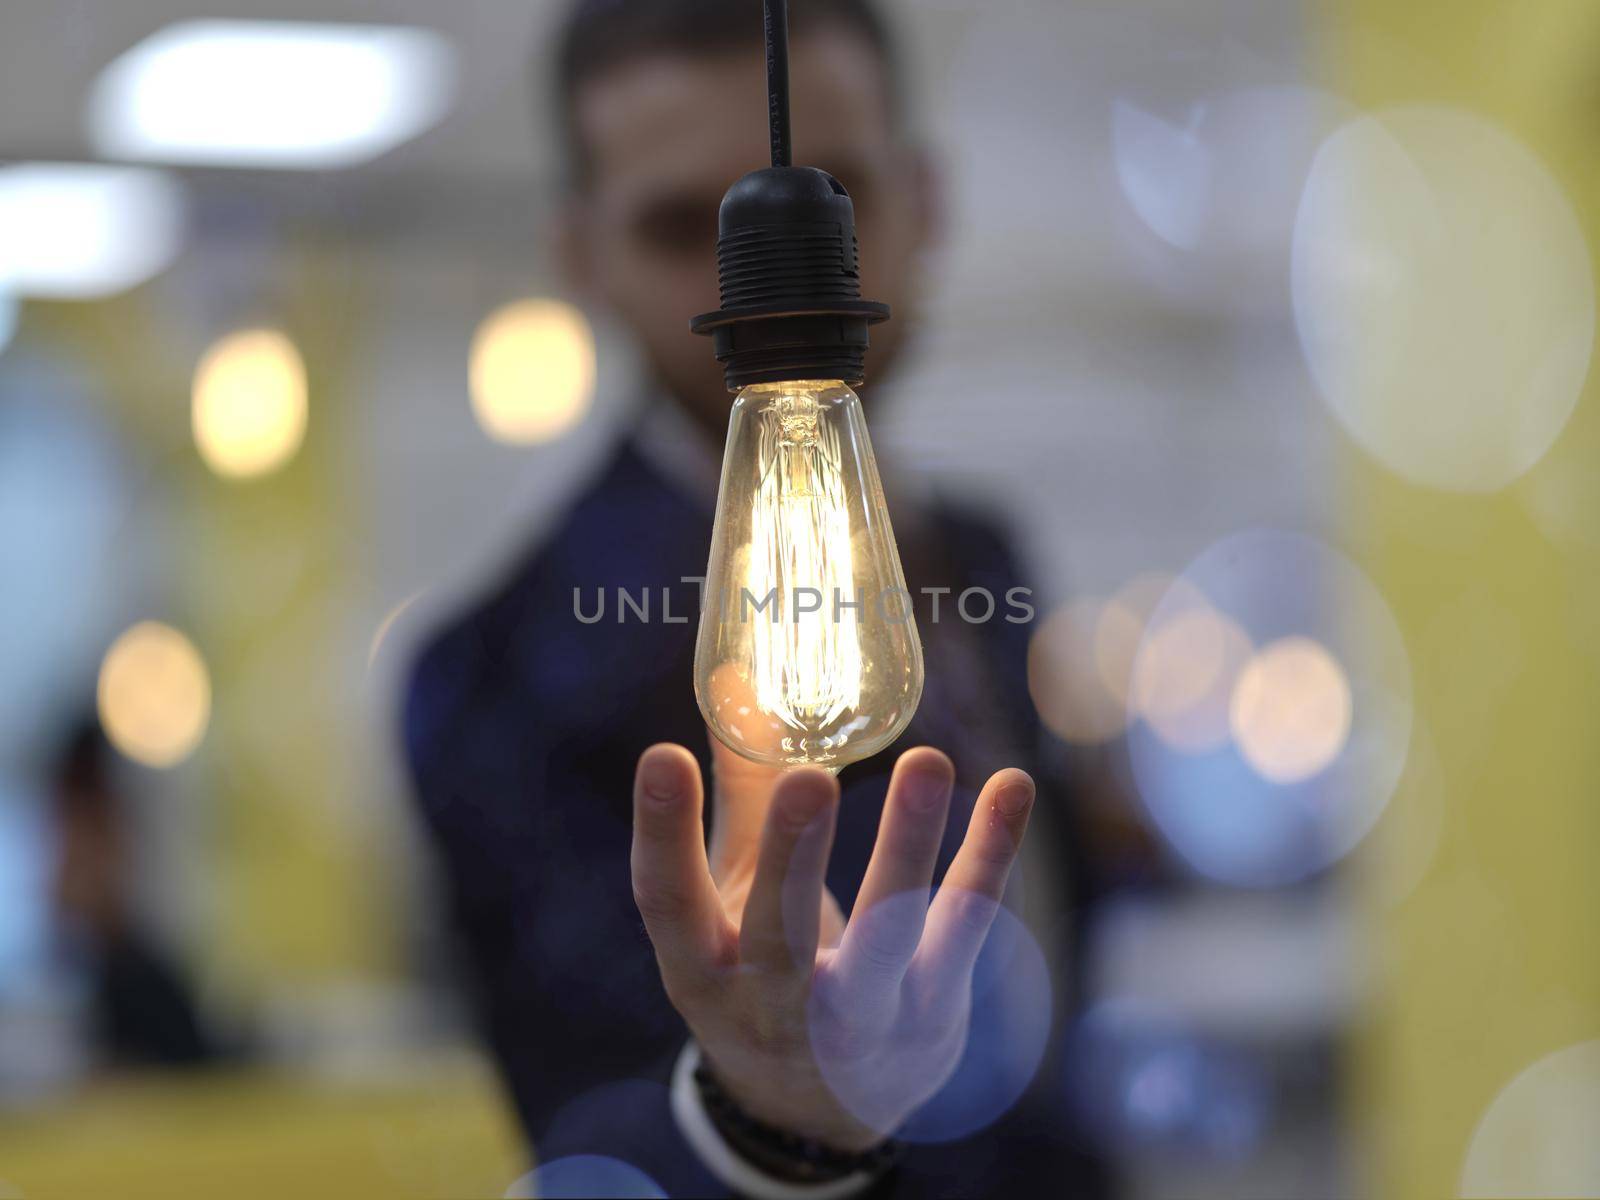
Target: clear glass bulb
(808,650)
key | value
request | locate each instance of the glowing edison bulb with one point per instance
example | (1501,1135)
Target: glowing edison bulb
(808,650)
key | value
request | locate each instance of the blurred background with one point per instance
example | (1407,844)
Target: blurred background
(1267,323)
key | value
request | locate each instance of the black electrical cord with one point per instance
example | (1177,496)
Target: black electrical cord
(777,21)
(786,260)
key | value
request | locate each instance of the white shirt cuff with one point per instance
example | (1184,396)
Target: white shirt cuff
(721,1159)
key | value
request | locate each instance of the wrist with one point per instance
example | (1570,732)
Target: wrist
(779,1151)
(785,1093)
(760,1159)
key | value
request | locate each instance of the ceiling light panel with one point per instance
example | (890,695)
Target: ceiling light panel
(271,94)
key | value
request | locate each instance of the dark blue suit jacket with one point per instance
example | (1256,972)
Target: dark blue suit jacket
(523,725)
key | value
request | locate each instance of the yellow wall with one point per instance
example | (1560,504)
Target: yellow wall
(294,885)
(1493,960)
(440,1130)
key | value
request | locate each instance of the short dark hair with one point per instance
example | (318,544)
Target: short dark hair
(598,35)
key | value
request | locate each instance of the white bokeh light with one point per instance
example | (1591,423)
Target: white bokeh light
(1562,495)
(1538,1137)
(80,231)
(1443,296)
(1290,710)
(1165,170)
(271,93)
(1224,171)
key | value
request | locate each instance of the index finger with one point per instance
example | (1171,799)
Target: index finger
(671,882)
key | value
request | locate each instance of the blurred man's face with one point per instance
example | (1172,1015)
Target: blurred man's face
(667,135)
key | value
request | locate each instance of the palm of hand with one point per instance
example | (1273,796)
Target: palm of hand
(831,1029)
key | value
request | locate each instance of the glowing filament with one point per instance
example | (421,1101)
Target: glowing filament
(806,648)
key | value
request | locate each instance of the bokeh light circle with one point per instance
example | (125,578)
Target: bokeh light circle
(1294,783)
(250,405)
(1443,295)
(1143,1082)
(1538,1136)
(1562,495)
(1081,660)
(1184,671)
(154,695)
(1290,711)
(1214,168)
(584,1176)
(1397,856)
(1007,1031)
(1064,679)
(532,371)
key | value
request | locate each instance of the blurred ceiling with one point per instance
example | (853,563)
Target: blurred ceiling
(1006,77)
(50,54)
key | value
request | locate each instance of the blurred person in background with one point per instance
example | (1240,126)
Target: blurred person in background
(536,739)
(142,1011)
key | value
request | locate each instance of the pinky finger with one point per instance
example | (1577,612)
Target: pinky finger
(964,908)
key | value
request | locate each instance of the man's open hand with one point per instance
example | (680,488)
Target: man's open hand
(832,1030)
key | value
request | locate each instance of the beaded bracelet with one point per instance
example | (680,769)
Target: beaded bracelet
(781,1154)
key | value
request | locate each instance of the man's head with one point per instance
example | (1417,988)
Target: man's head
(662,105)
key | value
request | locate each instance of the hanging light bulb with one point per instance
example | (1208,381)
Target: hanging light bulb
(808,651)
